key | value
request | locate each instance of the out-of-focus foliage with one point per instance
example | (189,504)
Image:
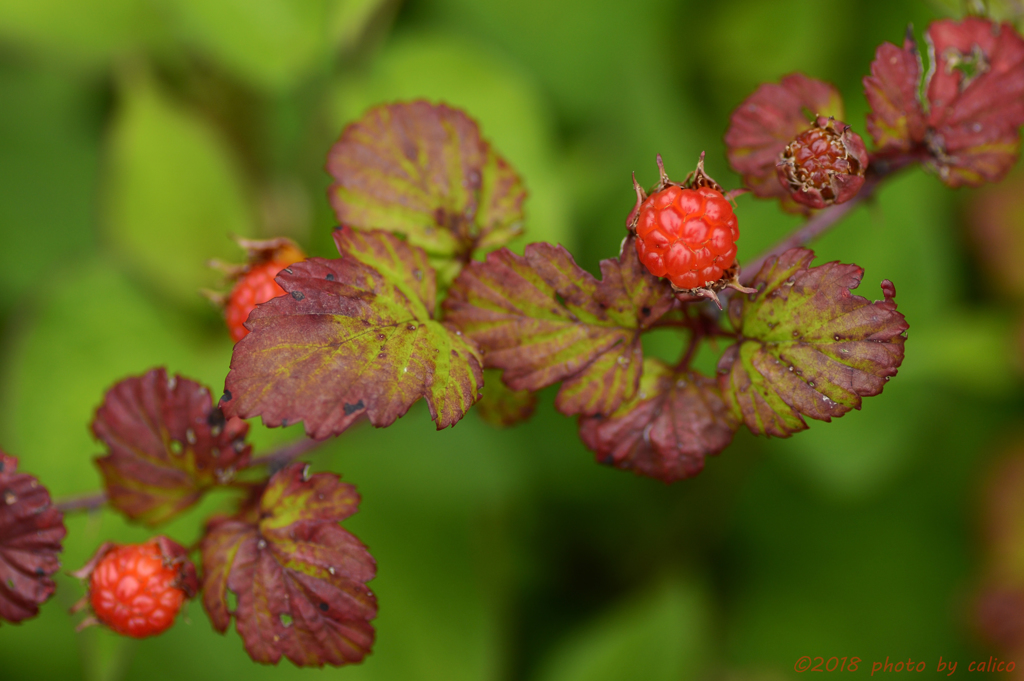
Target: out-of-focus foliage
(135,135)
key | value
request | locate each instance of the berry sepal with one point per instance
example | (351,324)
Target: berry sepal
(136,589)
(686,232)
(730,279)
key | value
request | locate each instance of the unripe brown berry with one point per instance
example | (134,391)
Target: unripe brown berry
(824,165)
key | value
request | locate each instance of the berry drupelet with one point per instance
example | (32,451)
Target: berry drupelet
(823,165)
(137,589)
(686,232)
(687,235)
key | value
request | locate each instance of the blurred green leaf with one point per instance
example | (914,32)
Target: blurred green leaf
(582,52)
(172,195)
(966,349)
(660,636)
(512,114)
(852,457)
(814,572)
(86,32)
(271,44)
(50,137)
(349,19)
(741,43)
(89,328)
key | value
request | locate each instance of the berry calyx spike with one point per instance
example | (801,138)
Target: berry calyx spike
(699,178)
(686,233)
(641,196)
(137,589)
(662,175)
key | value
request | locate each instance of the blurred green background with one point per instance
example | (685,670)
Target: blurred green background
(136,135)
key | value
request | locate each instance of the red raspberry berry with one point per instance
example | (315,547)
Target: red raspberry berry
(137,589)
(687,235)
(252,288)
(823,165)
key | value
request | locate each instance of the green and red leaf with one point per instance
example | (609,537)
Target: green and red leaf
(167,444)
(356,337)
(976,100)
(896,119)
(31,530)
(423,171)
(808,346)
(542,319)
(676,419)
(299,578)
(768,120)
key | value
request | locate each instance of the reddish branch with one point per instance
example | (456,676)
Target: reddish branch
(286,454)
(881,166)
(275,461)
(86,502)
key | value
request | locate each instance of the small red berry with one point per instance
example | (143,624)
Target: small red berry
(137,589)
(253,281)
(254,287)
(687,235)
(823,165)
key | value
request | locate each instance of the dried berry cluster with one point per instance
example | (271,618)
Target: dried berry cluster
(425,301)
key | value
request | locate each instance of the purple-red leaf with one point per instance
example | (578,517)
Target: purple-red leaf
(542,319)
(808,346)
(167,444)
(423,171)
(675,420)
(356,337)
(299,578)
(896,119)
(976,99)
(31,530)
(768,120)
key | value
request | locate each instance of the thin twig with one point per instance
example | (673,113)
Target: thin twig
(274,460)
(286,454)
(810,230)
(691,350)
(881,166)
(86,502)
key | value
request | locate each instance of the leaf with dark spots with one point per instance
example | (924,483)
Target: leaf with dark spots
(364,343)
(768,120)
(166,443)
(676,419)
(424,171)
(542,319)
(896,119)
(31,530)
(299,578)
(976,100)
(501,406)
(808,346)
